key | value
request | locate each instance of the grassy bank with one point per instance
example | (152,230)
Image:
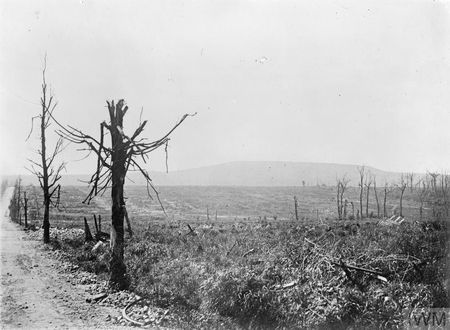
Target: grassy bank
(287,275)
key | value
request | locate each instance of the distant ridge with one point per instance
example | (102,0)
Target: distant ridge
(248,173)
(269,174)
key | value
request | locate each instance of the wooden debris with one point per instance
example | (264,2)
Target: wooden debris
(248,252)
(341,264)
(191,231)
(87,232)
(349,276)
(394,220)
(286,286)
(96,298)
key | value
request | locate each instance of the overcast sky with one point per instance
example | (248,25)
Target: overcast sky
(357,82)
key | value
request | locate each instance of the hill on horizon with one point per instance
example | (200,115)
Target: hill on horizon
(247,173)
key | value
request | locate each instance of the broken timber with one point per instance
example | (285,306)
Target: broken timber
(379,275)
(394,220)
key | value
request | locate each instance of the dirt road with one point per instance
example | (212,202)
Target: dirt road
(34,295)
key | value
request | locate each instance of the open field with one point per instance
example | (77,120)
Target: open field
(256,267)
(232,204)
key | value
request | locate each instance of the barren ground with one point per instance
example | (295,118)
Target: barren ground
(34,294)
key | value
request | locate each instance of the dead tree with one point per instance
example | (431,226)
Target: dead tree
(25,208)
(410,181)
(296,207)
(362,173)
(345,208)
(367,184)
(341,187)
(338,201)
(376,195)
(113,163)
(444,192)
(47,174)
(402,186)
(422,194)
(19,201)
(387,190)
(434,177)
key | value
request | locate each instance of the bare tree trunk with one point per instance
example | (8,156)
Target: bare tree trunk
(367,200)
(338,200)
(345,209)
(296,208)
(376,198)
(411,182)
(118,171)
(47,175)
(361,188)
(25,208)
(401,200)
(18,204)
(117,266)
(46,223)
(384,201)
(353,210)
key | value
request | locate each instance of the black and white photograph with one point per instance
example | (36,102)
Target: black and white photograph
(225,164)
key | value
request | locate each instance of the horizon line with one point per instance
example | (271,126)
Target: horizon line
(247,161)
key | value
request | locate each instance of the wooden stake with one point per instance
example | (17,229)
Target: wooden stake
(87,232)
(96,226)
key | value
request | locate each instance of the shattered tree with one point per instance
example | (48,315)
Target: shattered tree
(47,174)
(361,171)
(402,187)
(341,188)
(113,163)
